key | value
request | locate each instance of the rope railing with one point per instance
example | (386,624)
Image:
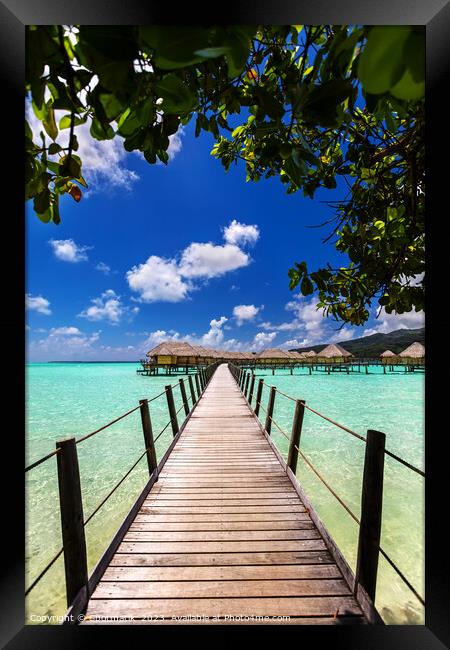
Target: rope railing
(69,479)
(93,433)
(370,521)
(353,433)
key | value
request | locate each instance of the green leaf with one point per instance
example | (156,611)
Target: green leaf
(41,202)
(175,47)
(70,166)
(306,286)
(320,104)
(382,62)
(64,122)
(54,148)
(101,131)
(212,52)
(177,96)
(49,123)
(238,42)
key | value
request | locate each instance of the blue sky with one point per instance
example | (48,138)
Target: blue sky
(186,251)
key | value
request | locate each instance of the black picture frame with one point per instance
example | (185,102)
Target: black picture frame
(14,15)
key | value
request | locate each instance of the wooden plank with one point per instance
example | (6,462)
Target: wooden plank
(142,607)
(168,516)
(136,535)
(144,522)
(223,588)
(222,547)
(222,559)
(262,620)
(271,572)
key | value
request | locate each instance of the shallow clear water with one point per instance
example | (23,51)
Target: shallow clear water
(73,399)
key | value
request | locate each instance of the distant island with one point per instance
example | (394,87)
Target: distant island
(375,344)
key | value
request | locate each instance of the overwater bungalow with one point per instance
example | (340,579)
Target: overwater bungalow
(388,357)
(173,353)
(414,354)
(333,353)
(273,356)
(309,356)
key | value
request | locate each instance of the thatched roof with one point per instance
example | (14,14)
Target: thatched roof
(415,350)
(295,355)
(273,353)
(310,353)
(388,353)
(173,348)
(334,350)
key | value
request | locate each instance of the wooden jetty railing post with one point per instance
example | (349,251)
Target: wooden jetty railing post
(371,513)
(294,443)
(192,391)
(184,397)
(148,436)
(197,383)
(270,405)
(258,396)
(247,379)
(242,380)
(172,411)
(72,518)
(252,386)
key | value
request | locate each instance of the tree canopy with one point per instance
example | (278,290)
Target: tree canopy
(314,106)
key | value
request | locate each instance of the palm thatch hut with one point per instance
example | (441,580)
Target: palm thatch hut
(273,355)
(388,357)
(333,352)
(413,354)
(173,353)
(295,356)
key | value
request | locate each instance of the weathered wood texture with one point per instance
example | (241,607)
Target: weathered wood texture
(223,534)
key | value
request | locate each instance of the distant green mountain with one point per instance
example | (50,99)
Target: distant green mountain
(375,344)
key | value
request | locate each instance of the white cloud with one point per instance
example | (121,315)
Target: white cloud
(107,307)
(307,320)
(245,313)
(344,334)
(209,261)
(263,339)
(172,280)
(103,268)
(64,331)
(391,322)
(293,343)
(215,334)
(158,279)
(68,251)
(37,303)
(240,233)
(64,343)
(175,144)
(104,161)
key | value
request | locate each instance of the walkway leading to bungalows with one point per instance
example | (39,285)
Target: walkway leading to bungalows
(223,536)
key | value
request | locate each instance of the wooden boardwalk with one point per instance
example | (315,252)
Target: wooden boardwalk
(223,533)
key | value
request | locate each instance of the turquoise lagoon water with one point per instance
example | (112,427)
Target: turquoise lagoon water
(73,399)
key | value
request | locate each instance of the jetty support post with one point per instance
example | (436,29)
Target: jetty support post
(242,380)
(197,383)
(270,405)
(184,397)
(371,513)
(294,443)
(172,411)
(247,379)
(147,430)
(192,391)
(258,396)
(72,518)
(252,386)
